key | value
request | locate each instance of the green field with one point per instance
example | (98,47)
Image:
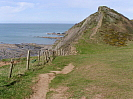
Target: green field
(100,71)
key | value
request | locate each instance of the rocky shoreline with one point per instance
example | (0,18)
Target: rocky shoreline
(61,34)
(49,37)
(20,50)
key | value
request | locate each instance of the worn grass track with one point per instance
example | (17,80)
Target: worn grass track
(102,74)
(101,71)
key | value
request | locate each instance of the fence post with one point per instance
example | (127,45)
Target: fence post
(47,56)
(61,52)
(58,52)
(50,54)
(28,60)
(11,68)
(54,54)
(43,58)
(38,57)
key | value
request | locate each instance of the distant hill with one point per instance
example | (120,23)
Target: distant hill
(105,26)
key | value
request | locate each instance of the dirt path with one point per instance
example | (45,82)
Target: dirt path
(97,27)
(4,63)
(42,86)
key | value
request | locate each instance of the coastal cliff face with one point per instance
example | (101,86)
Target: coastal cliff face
(104,26)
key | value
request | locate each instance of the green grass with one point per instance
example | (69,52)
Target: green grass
(19,86)
(100,69)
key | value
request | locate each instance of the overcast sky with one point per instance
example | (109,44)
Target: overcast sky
(57,11)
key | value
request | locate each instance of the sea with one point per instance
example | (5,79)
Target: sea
(17,33)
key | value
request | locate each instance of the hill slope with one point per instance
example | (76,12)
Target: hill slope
(101,71)
(106,26)
(104,73)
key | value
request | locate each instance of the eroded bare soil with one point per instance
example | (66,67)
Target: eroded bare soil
(41,88)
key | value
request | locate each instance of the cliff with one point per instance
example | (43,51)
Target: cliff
(105,26)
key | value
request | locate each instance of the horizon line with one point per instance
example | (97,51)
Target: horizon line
(34,23)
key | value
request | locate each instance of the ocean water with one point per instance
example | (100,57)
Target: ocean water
(27,33)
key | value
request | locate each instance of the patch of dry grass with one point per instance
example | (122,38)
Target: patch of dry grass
(105,75)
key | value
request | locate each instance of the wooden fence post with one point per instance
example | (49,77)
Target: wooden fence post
(11,68)
(58,52)
(38,57)
(54,54)
(61,52)
(50,55)
(46,56)
(28,60)
(43,58)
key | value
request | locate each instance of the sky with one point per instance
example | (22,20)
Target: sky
(57,11)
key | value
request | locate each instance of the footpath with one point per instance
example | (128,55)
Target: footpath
(41,88)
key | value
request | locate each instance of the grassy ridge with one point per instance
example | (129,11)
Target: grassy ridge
(103,71)
(100,71)
(19,86)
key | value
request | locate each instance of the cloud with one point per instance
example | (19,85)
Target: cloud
(24,5)
(58,9)
(17,7)
(90,3)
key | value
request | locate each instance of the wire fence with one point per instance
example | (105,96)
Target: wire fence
(18,66)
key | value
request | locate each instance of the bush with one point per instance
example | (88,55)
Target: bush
(115,38)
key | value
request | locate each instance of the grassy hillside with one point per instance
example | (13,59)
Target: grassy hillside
(100,71)
(106,26)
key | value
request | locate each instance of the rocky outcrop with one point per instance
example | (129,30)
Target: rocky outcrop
(49,37)
(20,50)
(106,25)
